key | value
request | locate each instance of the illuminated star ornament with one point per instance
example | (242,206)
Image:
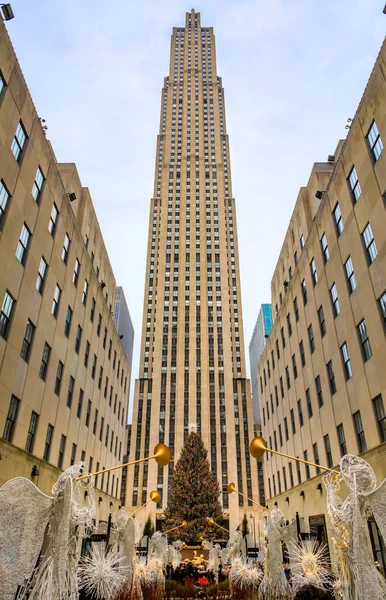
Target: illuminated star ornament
(309,564)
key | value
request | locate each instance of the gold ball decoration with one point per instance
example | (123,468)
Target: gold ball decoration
(258,447)
(162,455)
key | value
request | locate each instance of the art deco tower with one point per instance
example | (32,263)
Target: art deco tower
(192,365)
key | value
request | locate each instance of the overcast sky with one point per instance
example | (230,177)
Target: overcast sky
(293,72)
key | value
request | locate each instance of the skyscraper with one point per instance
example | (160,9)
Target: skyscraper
(192,364)
(259,338)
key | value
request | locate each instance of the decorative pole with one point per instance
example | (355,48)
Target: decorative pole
(259,446)
(183,524)
(154,497)
(232,488)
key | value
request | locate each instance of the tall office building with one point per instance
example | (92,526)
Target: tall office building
(192,363)
(256,346)
(123,324)
(322,374)
(64,376)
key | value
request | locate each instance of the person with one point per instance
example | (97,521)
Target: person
(311,592)
(219,574)
(169,571)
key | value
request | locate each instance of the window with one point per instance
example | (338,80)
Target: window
(75,275)
(282,337)
(293,424)
(62,448)
(23,243)
(319,391)
(304,292)
(351,280)
(291,474)
(45,361)
(338,220)
(364,340)
(99,326)
(287,376)
(80,404)
(302,241)
(342,440)
(73,454)
(94,363)
(300,413)
(58,379)
(327,447)
(10,422)
(346,361)
(47,443)
(294,367)
(298,472)
(92,311)
(324,246)
(41,275)
(369,243)
(53,220)
(104,338)
(88,413)
(309,403)
(78,338)
(354,185)
(31,432)
(66,248)
(4,196)
(314,273)
(316,457)
(289,326)
(27,341)
(286,429)
(302,353)
(100,377)
(6,314)
(67,323)
(19,142)
(55,301)
(2,84)
(94,427)
(70,392)
(38,185)
(85,292)
(311,338)
(296,309)
(86,353)
(380,416)
(382,307)
(334,300)
(322,321)
(305,455)
(277,350)
(374,141)
(361,439)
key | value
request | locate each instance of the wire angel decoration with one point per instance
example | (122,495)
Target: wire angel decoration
(274,585)
(359,577)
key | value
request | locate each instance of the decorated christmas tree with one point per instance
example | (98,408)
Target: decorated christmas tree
(194,495)
(149,527)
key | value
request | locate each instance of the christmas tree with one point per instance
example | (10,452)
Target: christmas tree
(193,495)
(149,527)
(244,526)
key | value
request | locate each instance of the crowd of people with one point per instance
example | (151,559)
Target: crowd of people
(187,570)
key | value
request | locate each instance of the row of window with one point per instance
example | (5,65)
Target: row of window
(380,415)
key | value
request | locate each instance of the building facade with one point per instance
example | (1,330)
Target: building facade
(259,338)
(124,325)
(192,362)
(322,374)
(63,372)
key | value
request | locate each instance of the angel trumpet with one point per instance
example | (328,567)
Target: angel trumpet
(161,454)
(259,446)
(212,522)
(183,524)
(232,488)
(154,497)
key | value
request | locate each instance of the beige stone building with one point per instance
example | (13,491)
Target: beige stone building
(192,363)
(63,373)
(322,374)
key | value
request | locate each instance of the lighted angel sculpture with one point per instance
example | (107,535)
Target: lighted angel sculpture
(359,578)
(25,514)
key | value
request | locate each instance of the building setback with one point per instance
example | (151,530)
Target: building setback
(322,374)
(192,363)
(64,375)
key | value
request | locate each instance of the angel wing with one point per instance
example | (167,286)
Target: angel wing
(290,532)
(377,502)
(128,543)
(25,512)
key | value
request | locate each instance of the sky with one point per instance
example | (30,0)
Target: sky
(293,72)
